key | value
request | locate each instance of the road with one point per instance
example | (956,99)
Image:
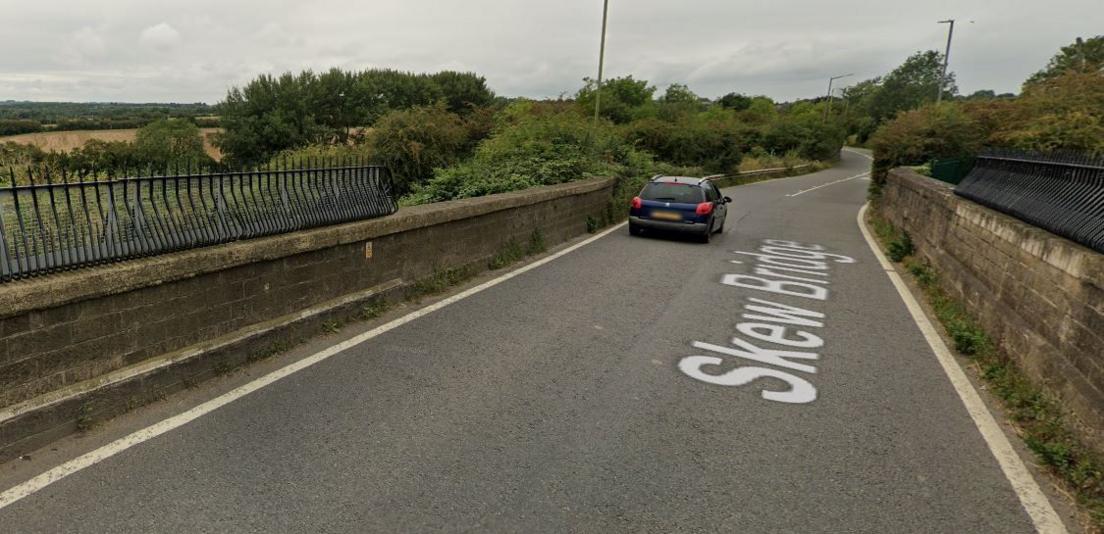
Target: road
(568,398)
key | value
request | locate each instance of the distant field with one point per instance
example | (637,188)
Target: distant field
(66,141)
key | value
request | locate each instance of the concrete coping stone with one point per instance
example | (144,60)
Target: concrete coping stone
(57,289)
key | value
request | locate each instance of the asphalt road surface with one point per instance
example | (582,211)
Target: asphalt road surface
(573,398)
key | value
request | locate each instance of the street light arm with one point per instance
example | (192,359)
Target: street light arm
(828,108)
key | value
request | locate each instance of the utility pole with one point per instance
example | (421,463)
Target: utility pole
(831,80)
(601,63)
(946,60)
(846,104)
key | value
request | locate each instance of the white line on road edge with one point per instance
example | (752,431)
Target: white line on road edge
(803,191)
(111,449)
(1031,496)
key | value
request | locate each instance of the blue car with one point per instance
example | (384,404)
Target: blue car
(679,204)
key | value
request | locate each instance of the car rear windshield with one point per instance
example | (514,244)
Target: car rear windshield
(670,192)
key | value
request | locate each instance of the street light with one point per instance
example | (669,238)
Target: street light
(343,120)
(946,60)
(830,82)
(601,62)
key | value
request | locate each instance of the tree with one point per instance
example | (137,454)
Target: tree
(857,101)
(803,130)
(910,86)
(735,101)
(622,98)
(1082,56)
(269,115)
(19,126)
(164,143)
(676,104)
(761,110)
(919,136)
(1062,113)
(414,142)
(678,93)
(110,157)
(273,114)
(982,94)
(463,91)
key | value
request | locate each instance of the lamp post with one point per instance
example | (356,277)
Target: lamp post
(832,80)
(343,119)
(601,63)
(946,60)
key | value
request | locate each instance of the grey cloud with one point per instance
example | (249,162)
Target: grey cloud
(160,36)
(137,50)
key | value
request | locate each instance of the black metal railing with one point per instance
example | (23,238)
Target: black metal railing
(50,223)
(1061,193)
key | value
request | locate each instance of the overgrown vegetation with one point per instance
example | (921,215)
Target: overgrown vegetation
(446,136)
(439,281)
(513,251)
(1039,417)
(1061,108)
(276,113)
(542,143)
(373,309)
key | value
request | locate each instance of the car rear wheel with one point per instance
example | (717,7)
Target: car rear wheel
(705,236)
(635,230)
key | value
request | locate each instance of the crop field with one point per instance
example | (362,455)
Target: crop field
(69,140)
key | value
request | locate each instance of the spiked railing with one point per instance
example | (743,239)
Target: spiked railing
(1061,193)
(56,221)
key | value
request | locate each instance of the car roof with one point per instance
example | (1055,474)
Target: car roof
(689,180)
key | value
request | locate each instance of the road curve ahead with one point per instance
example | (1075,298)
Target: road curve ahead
(770,381)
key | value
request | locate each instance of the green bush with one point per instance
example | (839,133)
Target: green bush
(111,157)
(916,137)
(12,154)
(622,99)
(412,143)
(323,153)
(533,144)
(806,134)
(272,114)
(1064,112)
(712,140)
(169,142)
(901,247)
(1061,109)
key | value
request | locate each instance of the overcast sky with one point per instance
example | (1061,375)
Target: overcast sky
(191,51)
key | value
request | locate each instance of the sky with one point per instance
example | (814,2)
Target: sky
(195,50)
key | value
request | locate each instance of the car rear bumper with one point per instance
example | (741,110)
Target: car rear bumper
(669,226)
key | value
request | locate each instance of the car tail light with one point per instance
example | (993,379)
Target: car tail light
(637,203)
(705,208)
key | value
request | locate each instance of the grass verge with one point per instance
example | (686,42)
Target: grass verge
(1037,415)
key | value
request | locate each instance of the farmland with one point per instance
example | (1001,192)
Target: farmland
(70,140)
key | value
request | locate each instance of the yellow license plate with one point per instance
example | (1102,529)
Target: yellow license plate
(667,215)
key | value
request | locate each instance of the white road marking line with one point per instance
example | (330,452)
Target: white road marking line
(828,184)
(867,156)
(39,482)
(1031,496)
